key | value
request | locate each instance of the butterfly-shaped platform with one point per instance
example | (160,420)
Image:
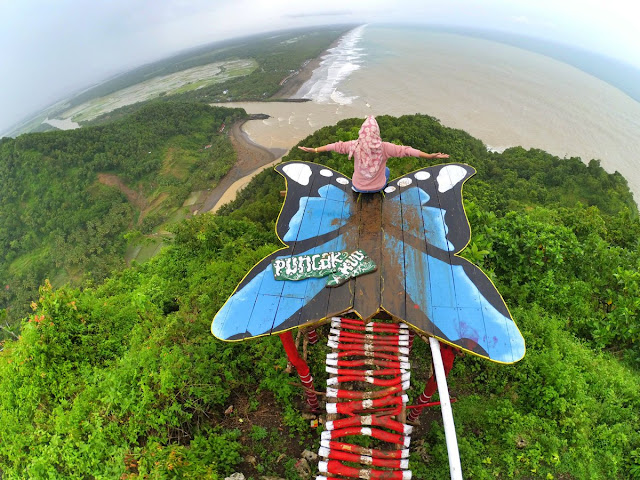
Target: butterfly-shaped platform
(413,231)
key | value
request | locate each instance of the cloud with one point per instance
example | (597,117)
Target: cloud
(319,14)
(539,24)
(521,19)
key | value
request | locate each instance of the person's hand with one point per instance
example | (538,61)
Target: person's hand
(307,149)
(441,155)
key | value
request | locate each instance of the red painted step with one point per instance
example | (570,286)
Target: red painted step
(369,368)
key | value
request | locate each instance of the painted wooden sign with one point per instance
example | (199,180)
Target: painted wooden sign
(340,265)
(413,232)
(300,267)
(356,264)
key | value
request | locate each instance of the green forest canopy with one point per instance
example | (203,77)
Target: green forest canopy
(122,379)
(58,221)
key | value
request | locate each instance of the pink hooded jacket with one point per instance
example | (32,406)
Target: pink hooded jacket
(370,155)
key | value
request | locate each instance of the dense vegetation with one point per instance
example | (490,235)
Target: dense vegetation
(61,214)
(59,220)
(123,379)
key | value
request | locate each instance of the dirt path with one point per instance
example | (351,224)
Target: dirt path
(134,197)
(251,159)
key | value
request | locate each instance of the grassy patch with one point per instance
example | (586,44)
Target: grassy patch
(29,261)
(150,248)
(177,161)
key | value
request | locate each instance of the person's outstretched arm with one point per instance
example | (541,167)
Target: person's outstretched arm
(433,155)
(338,147)
(394,150)
(314,149)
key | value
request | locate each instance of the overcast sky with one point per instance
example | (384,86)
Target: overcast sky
(49,49)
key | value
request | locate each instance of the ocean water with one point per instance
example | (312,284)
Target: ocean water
(501,94)
(338,65)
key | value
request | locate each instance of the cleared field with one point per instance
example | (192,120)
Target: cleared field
(179,82)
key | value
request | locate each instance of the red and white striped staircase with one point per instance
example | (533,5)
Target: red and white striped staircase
(369,375)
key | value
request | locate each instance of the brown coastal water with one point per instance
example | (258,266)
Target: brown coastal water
(503,95)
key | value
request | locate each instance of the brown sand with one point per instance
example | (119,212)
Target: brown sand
(289,89)
(254,158)
(251,160)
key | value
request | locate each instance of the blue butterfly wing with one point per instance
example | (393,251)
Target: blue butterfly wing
(413,235)
(316,217)
(425,282)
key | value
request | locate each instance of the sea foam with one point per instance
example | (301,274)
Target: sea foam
(340,62)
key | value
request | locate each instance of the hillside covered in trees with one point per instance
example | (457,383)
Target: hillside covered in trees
(68,197)
(121,378)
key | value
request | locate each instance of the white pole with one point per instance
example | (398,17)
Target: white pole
(447,413)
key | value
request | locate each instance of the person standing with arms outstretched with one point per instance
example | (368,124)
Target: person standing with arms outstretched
(370,155)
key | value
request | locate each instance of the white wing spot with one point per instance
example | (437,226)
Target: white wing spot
(342,181)
(404,182)
(298,172)
(422,175)
(390,189)
(449,177)
(326,173)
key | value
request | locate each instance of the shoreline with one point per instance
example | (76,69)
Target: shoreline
(541,110)
(251,159)
(249,165)
(292,86)
(242,136)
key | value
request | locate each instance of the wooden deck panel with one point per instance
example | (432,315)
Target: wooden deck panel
(313,220)
(367,288)
(393,260)
(417,276)
(341,298)
(446,302)
(285,294)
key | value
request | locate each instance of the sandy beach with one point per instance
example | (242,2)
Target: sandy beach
(254,157)
(293,85)
(251,160)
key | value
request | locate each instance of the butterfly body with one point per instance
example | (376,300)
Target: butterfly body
(413,231)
